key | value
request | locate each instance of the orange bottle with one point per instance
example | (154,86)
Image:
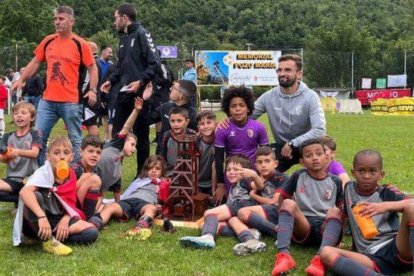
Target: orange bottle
(62,169)
(366,224)
(5,152)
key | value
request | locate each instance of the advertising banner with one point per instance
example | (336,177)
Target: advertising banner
(168,51)
(250,68)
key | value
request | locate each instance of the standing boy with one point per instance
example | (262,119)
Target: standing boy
(390,252)
(314,217)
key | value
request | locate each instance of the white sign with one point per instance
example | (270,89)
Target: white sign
(366,83)
(397,80)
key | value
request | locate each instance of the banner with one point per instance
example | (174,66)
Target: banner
(368,96)
(366,83)
(168,51)
(397,106)
(397,80)
(250,68)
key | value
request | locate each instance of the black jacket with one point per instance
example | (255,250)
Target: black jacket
(137,57)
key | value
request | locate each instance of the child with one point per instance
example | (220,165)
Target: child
(390,252)
(334,167)
(139,200)
(263,217)
(47,209)
(22,146)
(239,176)
(243,136)
(3,104)
(88,182)
(311,219)
(206,123)
(178,118)
(123,145)
(181,94)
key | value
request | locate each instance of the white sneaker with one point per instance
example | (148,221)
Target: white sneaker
(249,247)
(256,233)
(205,241)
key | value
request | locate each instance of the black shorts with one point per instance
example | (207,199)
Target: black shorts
(132,207)
(116,187)
(93,121)
(238,204)
(272,213)
(314,236)
(15,185)
(389,262)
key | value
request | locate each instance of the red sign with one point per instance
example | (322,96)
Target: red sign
(367,96)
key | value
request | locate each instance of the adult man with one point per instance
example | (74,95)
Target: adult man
(191,73)
(66,55)
(294,111)
(137,64)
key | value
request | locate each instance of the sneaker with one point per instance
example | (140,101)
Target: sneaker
(256,233)
(205,241)
(249,247)
(139,233)
(316,268)
(283,264)
(56,247)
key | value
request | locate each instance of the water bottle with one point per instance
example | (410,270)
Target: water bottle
(62,169)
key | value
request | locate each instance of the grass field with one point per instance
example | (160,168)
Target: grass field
(162,255)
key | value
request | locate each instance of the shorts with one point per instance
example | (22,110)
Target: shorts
(132,207)
(388,261)
(272,213)
(93,121)
(235,206)
(314,236)
(15,185)
(116,187)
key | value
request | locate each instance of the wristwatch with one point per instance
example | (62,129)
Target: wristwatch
(290,144)
(93,90)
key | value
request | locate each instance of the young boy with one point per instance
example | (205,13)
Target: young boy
(390,252)
(334,167)
(178,119)
(22,148)
(243,135)
(206,123)
(240,177)
(314,218)
(181,94)
(47,209)
(88,182)
(123,145)
(139,200)
(263,217)
(3,104)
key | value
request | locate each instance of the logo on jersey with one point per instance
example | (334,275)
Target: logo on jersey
(150,42)
(132,42)
(250,132)
(57,74)
(328,194)
(232,134)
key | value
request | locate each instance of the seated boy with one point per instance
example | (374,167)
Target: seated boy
(47,209)
(88,182)
(240,177)
(263,217)
(139,200)
(123,145)
(20,150)
(206,122)
(178,119)
(390,252)
(314,217)
(334,167)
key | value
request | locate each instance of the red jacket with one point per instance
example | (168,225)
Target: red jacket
(3,96)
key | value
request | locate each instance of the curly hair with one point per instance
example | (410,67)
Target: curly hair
(238,91)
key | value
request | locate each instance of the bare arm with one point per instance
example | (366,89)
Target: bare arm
(32,153)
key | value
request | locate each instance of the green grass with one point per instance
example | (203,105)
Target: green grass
(162,255)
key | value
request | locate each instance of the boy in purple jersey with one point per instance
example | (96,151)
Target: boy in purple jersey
(390,252)
(314,217)
(334,167)
(243,136)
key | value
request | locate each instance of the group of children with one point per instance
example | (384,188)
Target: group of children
(308,207)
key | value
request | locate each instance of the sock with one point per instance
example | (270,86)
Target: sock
(87,236)
(144,222)
(346,266)
(331,233)
(97,221)
(284,231)
(225,230)
(411,238)
(264,226)
(89,204)
(210,225)
(245,235)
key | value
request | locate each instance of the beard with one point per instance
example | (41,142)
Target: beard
(286,82)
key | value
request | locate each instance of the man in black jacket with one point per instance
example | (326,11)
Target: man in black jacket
(138,61)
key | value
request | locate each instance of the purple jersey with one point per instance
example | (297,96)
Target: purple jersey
(335,168)
(242,140)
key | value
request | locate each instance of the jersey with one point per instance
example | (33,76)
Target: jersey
(21,167)
(240,191)
(205,170)
(313,196)
(147,193)
(273,183)
(387,223)
(170,148)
